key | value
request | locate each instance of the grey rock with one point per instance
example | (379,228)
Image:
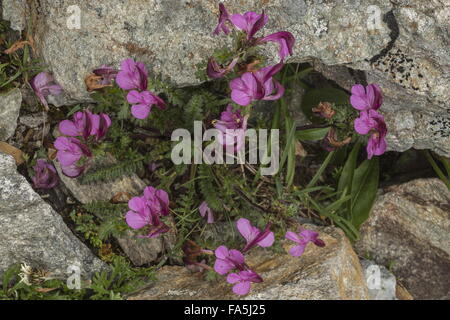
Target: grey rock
(381,282)
(9,112)
(33,120)
(172,36)
(101,191)
(32,232)
(331,272)
(408,229)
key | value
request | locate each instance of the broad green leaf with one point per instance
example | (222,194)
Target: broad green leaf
(312,134)
(364,190)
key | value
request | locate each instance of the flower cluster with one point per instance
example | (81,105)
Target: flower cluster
(133,76)
(45,175)
(147,210)
(252,85)
(43,85)
(368,100)
(228,260)
(73,150)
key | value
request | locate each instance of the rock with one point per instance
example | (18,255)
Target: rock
(9,112)
(101,191)
(332,272)
(32,232)
(140,251)
(172,37)
(408,230)
(33,120)
(380,281)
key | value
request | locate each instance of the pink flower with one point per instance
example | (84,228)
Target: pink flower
(285,40)
(43,85)
(139,215)
(215,71)
(258,85)
(302,239)
(46,176)
(254,236)
(86,124)
(367,98)
(157,200)
(143,102)
(204,210)
(146,211)
(243,280)
(233,127)
(223,18)
(372,123)
(70,150)
(227,260)
(249,22)
(132,75)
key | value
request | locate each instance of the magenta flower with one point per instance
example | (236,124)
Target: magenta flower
(139,215)
(70,150)
(249,22)
(132,75)
(46,176)
(146,211)
(157,200)
(223,18)
(227,260)
(284,39)
(233,127)
(73,170)
(243,280)
(143,102)
(254,236)
(215,71)
(258,85)
(371,122)
(204,210)
(366,98)
(43,85)
(302,239)
(107,73)
(85,124)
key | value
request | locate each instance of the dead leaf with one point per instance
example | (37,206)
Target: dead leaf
(51,153)
(299,150)
(92,82)
(121,197)
(13,151)
(45,290)
(16,46)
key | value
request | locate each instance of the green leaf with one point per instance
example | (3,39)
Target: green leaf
(322,168)
(312,134)
(364,190)
(346,178)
